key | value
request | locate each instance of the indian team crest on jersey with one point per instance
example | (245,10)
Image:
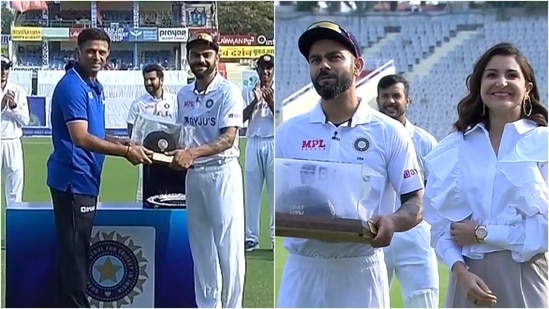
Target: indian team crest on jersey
(121,270)
(165,109)
(361,144)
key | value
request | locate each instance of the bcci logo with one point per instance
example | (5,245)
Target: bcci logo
(117,270)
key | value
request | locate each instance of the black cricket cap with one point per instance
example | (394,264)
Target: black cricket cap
(327,30)
(265,61)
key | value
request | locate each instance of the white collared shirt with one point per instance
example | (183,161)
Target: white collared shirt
(166,106)
(220,106)
(507,193)
(261,122)
(14,119)
(369,138)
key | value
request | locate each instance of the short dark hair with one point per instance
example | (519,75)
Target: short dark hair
(93,34)
(154,67)
(393,79)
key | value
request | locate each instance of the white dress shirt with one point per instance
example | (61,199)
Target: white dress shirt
(507,193)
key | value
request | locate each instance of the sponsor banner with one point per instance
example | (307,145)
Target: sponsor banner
(244,52)
(55,33)
(74,32)
(118,34)
(143,35)
(6,38)
(173,34)
(244,40)
(26,34)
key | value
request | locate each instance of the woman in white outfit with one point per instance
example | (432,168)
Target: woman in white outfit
(486,196)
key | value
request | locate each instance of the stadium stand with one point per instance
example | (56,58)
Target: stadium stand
(76,15)
(435,51)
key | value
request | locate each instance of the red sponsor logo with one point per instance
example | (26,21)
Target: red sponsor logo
(74,32)
(244,40)
(410,173)
(313,144)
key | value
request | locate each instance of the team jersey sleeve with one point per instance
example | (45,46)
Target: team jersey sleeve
(231,110)
(74,104)
(21,113)
(133,112)
(403,168)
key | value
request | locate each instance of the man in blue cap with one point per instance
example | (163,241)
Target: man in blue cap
(346,129)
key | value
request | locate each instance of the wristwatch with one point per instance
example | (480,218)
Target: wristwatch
(480,233)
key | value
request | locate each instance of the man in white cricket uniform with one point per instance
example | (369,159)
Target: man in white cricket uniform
(259,149)
(15,115)
(342,128)
(410,256)
(156,101)
(214,191)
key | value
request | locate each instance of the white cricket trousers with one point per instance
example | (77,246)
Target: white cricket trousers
(259,169)
(413,261)
(12,167)
(215,218)
(315,282)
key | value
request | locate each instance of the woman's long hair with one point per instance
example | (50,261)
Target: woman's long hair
(471,106)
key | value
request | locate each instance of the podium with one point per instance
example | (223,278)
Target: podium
(140,258)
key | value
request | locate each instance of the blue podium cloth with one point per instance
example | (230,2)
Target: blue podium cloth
(139,257)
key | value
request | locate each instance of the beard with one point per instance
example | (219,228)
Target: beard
(201,74)
(394,111)
(330,91)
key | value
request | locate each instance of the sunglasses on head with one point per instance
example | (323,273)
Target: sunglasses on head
(337,28)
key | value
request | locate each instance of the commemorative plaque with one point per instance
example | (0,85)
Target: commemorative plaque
(163,187)
(328,201)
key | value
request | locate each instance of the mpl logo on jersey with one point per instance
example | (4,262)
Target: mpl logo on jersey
(173,34)
(313,144)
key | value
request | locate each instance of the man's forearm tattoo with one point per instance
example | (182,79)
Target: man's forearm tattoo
(225,141)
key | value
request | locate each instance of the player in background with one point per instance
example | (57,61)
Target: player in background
(410,257)
(213,186)
(15,115)
(156,101)
(259,167)
(338,274)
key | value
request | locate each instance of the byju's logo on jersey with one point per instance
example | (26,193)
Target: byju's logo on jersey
(201,121)
(313,144)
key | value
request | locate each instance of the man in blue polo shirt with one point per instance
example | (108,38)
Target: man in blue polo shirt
(74,168)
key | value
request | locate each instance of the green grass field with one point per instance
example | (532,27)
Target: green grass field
(259,288)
